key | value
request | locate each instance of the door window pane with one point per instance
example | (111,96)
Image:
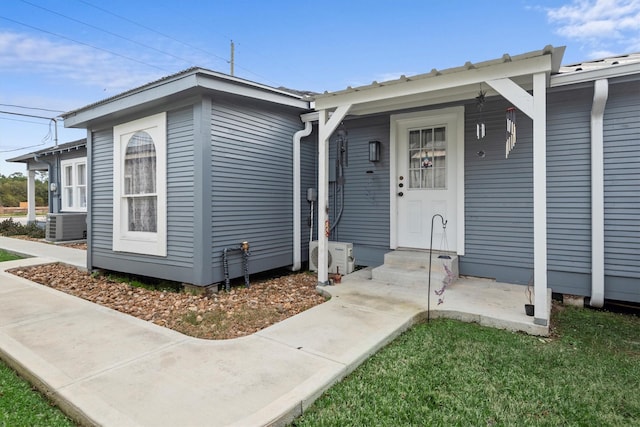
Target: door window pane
(427,158)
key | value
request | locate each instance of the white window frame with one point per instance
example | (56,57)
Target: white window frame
(74,164)
(147,243)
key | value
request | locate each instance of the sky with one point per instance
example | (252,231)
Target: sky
(60,55)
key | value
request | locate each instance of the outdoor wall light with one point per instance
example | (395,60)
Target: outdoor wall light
(374,151)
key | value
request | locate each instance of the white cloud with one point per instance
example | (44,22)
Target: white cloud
(25,53)
(602,26)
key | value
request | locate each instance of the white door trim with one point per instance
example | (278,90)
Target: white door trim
(457,113)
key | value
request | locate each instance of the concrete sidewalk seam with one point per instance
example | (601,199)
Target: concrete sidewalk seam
(123,363)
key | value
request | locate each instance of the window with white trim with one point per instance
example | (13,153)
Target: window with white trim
(74,185)
(139,166)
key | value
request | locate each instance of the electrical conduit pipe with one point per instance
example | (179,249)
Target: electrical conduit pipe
(600,95)
(297,222)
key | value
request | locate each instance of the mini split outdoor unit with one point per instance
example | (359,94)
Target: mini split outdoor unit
(340,257)
(66,226)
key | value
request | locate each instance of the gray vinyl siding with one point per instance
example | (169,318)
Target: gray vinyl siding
(365,219)
(622,191)
(251,184)
(569,191)
(74,154)
(101,182)
(178,263)
(180,178)
(498,198)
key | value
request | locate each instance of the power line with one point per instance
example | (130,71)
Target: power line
(82,43)
(24,121)
(46,137)
(153,30)
(31,108)
(175,40)
(27,115)
(108,32)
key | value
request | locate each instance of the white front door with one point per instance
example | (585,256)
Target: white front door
(427,150)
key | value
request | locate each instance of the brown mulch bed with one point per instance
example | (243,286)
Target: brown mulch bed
(222,315)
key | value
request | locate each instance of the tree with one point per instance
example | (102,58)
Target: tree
(13,190)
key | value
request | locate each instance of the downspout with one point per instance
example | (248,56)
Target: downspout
(297,231)
(600,95)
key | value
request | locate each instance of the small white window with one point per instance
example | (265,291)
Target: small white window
(139,165)
(74,185)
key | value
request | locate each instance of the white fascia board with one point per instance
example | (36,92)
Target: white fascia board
(248,91)
(597,74)
(174,86)
(535,65)
(460,93)
(130,100)
(310,117)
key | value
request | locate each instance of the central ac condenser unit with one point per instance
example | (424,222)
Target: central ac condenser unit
(340,257)
(66,226)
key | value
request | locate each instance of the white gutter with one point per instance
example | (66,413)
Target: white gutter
(600,95)
(297,231)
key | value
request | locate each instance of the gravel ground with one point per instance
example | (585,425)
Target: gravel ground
(224,315)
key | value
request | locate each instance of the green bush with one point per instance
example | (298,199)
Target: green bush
(9,227)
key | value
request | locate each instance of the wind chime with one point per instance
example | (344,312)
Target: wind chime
(480,127)
(511,131)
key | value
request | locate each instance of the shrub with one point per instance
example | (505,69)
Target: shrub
(9,227)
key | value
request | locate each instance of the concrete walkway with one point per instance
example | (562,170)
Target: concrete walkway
(107,368)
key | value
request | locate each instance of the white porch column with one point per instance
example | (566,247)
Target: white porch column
(326,126)
(540,199)
(31,196)
(536,108)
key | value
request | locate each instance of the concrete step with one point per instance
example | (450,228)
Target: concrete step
(412,268)
(405,276)
(419,259)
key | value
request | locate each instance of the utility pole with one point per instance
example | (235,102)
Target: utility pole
(233,51)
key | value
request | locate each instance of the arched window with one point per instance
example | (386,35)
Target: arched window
(140,183)
(140,186)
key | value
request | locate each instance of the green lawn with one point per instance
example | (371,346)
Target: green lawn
(21,405)
(8,256)
(451,373)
